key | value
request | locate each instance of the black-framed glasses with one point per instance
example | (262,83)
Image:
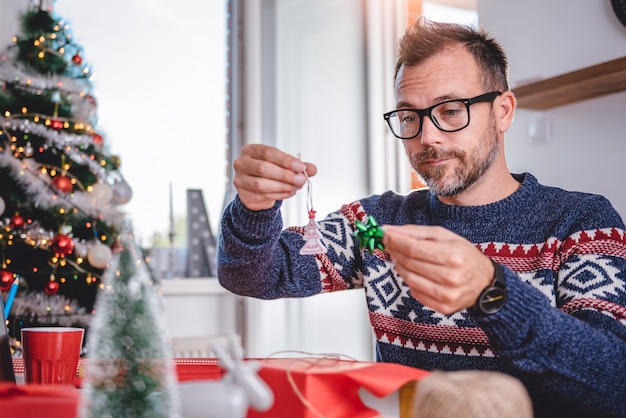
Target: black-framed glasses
(448,116)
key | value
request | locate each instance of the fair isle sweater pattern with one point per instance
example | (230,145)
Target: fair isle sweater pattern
(397,319)
(394,322)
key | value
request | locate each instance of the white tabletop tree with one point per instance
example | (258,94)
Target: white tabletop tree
(129,372)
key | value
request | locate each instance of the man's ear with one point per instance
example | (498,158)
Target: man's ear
(504,110)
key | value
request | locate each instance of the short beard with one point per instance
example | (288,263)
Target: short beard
(471,165)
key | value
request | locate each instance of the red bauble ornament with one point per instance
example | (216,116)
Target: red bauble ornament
(98,140)
(62,183)
(62,244)
(77,59)
(6,280)
(17,222)
(91,100)
(52,288)
(56,124)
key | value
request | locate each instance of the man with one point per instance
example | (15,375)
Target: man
(486,270)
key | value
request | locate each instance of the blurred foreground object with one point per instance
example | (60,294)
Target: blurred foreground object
(471,394)
(128,374)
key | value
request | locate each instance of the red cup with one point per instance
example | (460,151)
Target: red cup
(51,354)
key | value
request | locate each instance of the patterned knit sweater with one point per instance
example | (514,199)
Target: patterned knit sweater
(562,330)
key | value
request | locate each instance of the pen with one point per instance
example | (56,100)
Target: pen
(12,292)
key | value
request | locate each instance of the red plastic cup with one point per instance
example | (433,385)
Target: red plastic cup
(51,354)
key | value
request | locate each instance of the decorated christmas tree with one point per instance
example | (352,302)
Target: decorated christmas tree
(129,373)
(61,188)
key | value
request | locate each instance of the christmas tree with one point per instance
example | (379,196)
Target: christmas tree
(129,373)
(61,187)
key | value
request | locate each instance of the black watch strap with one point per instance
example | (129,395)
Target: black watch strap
(493,297)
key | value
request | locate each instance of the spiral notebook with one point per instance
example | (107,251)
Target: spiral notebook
(6,362)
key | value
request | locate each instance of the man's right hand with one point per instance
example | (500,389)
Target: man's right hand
(264,174)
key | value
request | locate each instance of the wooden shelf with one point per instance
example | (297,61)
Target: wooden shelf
(595,81)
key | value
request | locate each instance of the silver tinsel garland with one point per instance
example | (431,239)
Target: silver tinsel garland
(50,309)
(28,173)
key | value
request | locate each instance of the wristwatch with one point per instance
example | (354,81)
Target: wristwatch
(493,297)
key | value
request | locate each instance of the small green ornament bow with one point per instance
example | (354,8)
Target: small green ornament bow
(370,235)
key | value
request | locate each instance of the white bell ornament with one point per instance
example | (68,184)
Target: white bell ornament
(99,255)
(102,193)
(122,193)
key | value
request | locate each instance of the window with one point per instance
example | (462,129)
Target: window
(160,71)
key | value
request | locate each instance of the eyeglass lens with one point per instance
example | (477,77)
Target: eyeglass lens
(447,116)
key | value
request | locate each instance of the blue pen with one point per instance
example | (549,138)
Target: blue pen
(12,292)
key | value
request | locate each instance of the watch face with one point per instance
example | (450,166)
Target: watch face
(492,300)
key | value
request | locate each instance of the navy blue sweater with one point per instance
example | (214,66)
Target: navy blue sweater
(562,331)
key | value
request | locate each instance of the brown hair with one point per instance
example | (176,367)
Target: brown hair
(427,38)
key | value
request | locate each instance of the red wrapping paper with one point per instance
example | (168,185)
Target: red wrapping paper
(35,401)
(313,387)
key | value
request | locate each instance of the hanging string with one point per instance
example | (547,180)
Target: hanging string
(309,188)
(309,192)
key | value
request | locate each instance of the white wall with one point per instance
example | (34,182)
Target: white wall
(196,307)
(588,139)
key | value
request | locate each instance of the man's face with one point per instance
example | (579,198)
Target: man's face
(449,162)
